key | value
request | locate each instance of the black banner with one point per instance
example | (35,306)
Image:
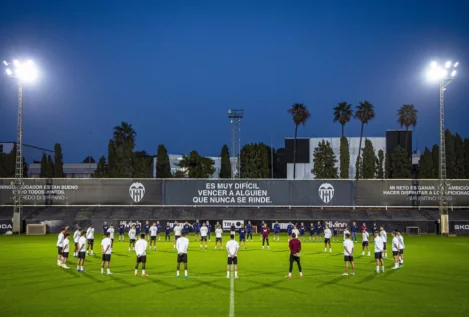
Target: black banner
(258,193)
(416,193)
(6,225)
(459,227)
(83,192)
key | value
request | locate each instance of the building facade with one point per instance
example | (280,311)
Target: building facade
(71,170)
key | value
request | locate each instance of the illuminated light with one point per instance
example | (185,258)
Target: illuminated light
(453,73)
(16,63)
(434,64)
(456,64)
(5,63)
(9,72)
(448,64)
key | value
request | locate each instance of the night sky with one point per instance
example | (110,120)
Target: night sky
(174,68)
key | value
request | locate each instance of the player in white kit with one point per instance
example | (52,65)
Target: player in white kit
(327,239)
(365,236)
(177,233)
(379,250)
(395,250)
(203,235)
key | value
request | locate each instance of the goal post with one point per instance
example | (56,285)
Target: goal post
(36,229)
(412,231)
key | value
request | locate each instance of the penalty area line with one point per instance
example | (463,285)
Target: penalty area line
(232,294)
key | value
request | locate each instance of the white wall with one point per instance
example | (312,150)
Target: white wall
(303,171)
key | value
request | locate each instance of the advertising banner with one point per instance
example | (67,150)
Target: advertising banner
(423,193)
(459,227)
(5,225)
(85,192)
(228,223)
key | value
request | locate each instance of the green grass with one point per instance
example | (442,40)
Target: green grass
(433,282)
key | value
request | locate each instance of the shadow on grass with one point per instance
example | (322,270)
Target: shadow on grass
(332,282)
(368,278)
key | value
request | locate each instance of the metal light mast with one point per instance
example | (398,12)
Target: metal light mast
(235,116)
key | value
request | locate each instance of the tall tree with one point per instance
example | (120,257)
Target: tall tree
(387,166)
(380,168)
(254,161)
(197,166)
(407,116)
(401,164)
(111,159)
(344,158)
(124,141)
(459,170)
(426,165)
(89,160)
(225,164)
(436,161)
(43,173)
(59,161)
(365,113)
(342,114)
(369,161)
(101,168)
(163,166)
(300,115)
(280,169)
(324,161)
(8,163)
(50,167)
(142,165)
(450,154)
(466,158)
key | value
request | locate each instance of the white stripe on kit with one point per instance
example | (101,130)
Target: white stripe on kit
(232,301)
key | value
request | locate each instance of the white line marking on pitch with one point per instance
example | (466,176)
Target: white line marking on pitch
(232,302)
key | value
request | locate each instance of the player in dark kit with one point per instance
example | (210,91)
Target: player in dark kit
(209,229)
(295,248)
(335,233)
(167,232)
(186,228)
(276,231)
(318,232)
(105,227)
(121,231)
(138,227)
(354,232)
(261,226)
(242,235)
(249,231)
(290,230)
(311,232)
(302,231)
(196,227)
(265,236)
(158,230)
(147,229)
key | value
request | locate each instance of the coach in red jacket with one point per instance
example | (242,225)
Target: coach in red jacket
(265,236)
(295,249)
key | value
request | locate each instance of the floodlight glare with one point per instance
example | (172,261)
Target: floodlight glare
(5,63)
(448,64)
(434,64)
(9,72)
(453,73)
(456,64)
(16,63)
(24,72)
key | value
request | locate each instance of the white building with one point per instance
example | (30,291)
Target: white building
(71,170)
(303,170)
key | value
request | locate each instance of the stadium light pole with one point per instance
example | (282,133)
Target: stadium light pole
(443,74)
(22,72)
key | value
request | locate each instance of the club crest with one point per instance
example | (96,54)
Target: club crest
(137,191)
(326,192)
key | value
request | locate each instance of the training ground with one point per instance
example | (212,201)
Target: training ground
(433,282)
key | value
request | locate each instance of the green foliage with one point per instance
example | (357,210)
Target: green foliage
(43,173)
(459,164)
(50,167)
(125,159)
(179,174)
(342,114)
(407,116)
(466,158)
(450,155)
(8,163)
(426,165)
(89,160)
(142,165)
(197,166)
(101,168)
(254,161)
(401,164)
(380,167)
(369,161)
(436,161)
(365,113)
(344,157)
(387,166)
(111,159)
(324,161)
(300,114)
(280,164)
(163,166)
(225,168)
(59,161)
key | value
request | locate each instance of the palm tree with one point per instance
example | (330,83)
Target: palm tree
(124,134)
(407,116)
(300,114)
(365,113)
(343,113)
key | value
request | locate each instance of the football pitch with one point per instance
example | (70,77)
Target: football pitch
(433,282)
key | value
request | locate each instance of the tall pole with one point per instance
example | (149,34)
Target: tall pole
(18,165)
(271,159)
(443,188)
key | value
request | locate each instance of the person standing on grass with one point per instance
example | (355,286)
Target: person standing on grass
(106,247)
(81,252)
(177,233)
(203,235)
(76,237)
(209,230)
(105,227)
(302,231)
(384,237)
(59,245)
(311,232)
(294,231)
(379,249)
(65,250)
(111,231)
(318,232)
(348,254)
(335,232)
(232,247)
(290,227)
(121,231)
(395,249)
(153,230)
(295,249)
(147,229)
(346,231)
(138,227)
(158,230)
(233,229)
(276,231)
(401,247)
(218,236)
(265,236)
(167,232)
(242,235)
(132,237)
(186,228)
(249,231)
(141,251)
(196,227)
(354,232)
(327,239)
(90,237)
(182,244)
(365,236)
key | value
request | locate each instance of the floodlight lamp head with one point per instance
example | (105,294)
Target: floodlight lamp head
(448,64)
(25,72)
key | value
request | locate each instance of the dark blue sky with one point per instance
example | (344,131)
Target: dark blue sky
(174,68)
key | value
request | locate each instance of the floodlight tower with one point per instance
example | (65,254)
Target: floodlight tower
(444,75)
(25,72)
(235,116)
